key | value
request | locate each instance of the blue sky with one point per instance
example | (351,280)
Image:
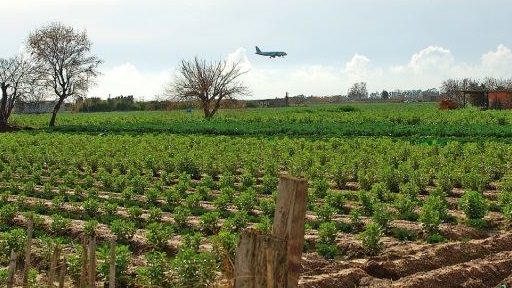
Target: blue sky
(331,44)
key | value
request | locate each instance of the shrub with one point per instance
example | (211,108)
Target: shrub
(246,200)
(151,195)
(180,216)
(328,251)
(237,221)
(320,187)
(367,201)
(14,239)
(404,234)
(382,215)
(7,214)
(336,200)
(193,203)
(135,213)
(327,232)
(123,257)
(269,184)
(324,213)
(431,213)
(209,222)
(155,214)
(193,269)
(158,234)
(264,225)
(124,230)
(224,247)
(473,204)
(91,206)
(405,205)
(370,238)
(435,238)
(155,272)
(59,224)
(267,206)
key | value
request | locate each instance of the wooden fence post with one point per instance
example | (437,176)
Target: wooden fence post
(26,268)
(83,270)
(62,272)
(92,261)
(53,265)
(274,260)
(12,269)
(260,260)
(289,220)
(112,274)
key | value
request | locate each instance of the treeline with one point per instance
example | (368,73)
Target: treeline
(119,103)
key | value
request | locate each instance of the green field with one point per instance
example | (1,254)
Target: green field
(185,187)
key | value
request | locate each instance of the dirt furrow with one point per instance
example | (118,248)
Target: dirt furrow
(439,256)
(485,272)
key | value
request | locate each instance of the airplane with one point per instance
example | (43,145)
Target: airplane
(270,54)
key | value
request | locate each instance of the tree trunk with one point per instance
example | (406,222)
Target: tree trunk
(56,110)
(3,107)
(206,110)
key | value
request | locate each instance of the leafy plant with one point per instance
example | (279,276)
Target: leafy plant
(124,230)
(123,257)
(371,238)
(158,234)
(59,224)
(320,187)
(474,206)
(328,251)
(209,222)
(327,232)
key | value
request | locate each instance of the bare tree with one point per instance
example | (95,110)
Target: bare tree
(64,62)
(358,91)
(208,83)
(16,82)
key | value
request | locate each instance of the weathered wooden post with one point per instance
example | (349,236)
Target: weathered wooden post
(92,261)
(12,269)
(83,271)
(112,272)
(289,220)
(62,272)
(260,260)
(274,260)
(53,265)
(26,268)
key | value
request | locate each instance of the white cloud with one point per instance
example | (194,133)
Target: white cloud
(357,68)
(126,79)
(498,63)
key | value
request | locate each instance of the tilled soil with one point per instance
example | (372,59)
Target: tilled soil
(483,262)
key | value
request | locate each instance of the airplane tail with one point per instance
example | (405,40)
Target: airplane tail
(258,50)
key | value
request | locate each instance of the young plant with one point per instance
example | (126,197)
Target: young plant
(474,206)
(209,222)
(158,234)
(371,238)
(124,230)
(431,215)
(123,257)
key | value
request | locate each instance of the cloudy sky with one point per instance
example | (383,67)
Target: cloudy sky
(331,44)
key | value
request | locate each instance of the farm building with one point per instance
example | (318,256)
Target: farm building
(488,99)
(500,99)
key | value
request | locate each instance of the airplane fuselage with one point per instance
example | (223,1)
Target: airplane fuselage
(270,54)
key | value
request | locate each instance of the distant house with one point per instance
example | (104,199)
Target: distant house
(429,96)
(277,102)
(36,107)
